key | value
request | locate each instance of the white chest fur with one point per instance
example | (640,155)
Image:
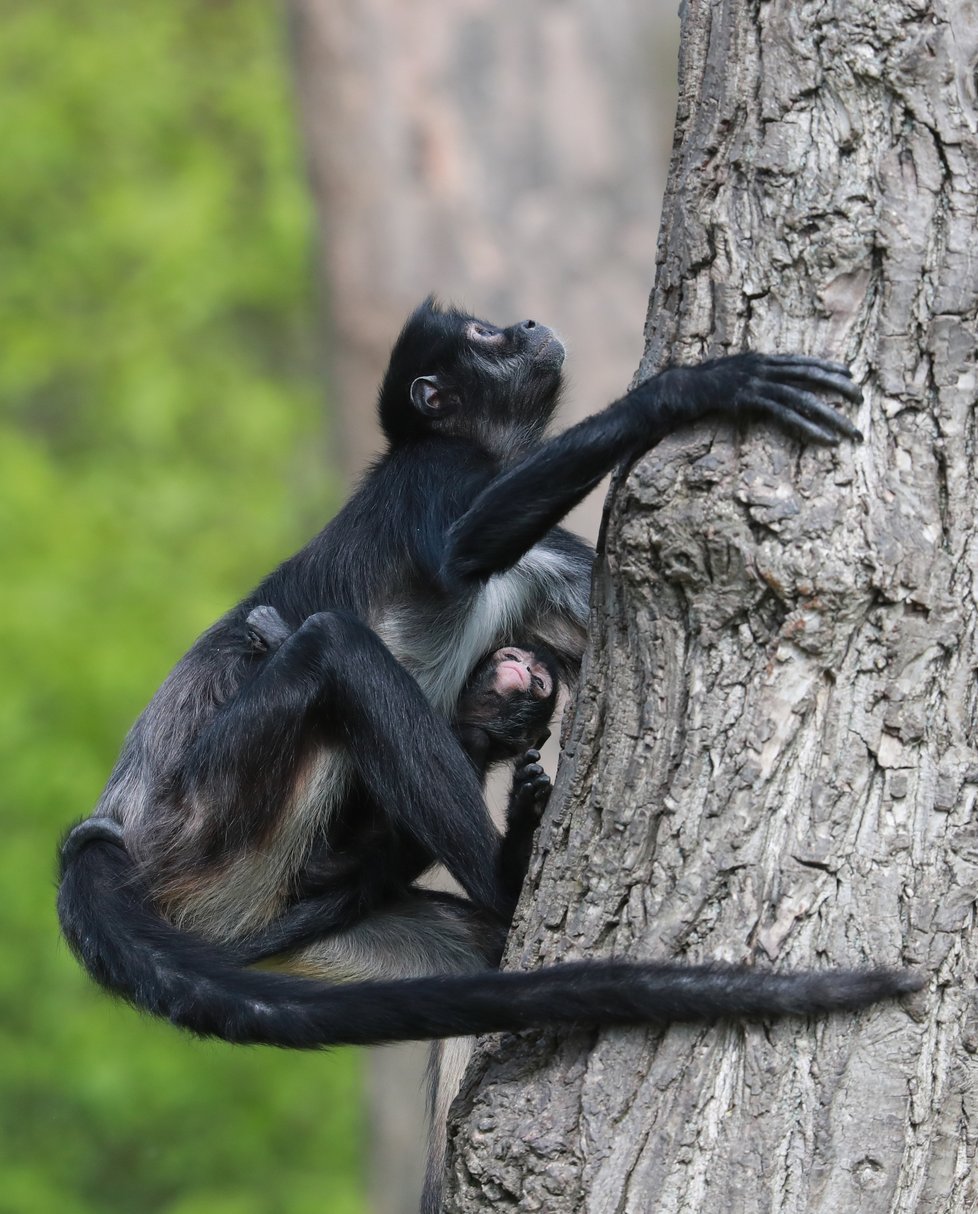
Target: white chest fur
(441,651)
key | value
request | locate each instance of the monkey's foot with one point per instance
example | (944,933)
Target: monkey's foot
(266,629)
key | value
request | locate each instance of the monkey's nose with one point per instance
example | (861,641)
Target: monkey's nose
(513,676)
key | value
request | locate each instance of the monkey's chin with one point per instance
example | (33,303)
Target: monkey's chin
(551,354)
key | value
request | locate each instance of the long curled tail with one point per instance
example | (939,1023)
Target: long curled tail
(108,920)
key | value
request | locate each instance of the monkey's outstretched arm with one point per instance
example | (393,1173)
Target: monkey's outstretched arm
(520,506)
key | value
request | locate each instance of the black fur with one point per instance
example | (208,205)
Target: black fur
(493,723)
(281,765)
(134,952)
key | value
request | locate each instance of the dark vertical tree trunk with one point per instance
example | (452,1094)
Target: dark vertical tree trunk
(772,756)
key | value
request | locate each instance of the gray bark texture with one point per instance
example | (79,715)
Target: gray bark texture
(772,756)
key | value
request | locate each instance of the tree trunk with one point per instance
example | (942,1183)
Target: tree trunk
(506,156)
(771,757)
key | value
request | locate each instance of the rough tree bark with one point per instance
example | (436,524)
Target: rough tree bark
(772,755)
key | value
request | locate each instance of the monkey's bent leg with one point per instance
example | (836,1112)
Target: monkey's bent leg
(336,902)
(410,761)
(333,683)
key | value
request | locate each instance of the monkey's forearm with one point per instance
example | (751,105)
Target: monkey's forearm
(519,507)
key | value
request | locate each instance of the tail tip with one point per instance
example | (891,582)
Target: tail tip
(907,982)
(858,988)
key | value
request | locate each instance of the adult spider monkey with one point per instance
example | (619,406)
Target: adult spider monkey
(323,770)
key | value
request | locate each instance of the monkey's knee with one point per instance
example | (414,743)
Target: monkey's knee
(322,635)
(338,626)
(341,636)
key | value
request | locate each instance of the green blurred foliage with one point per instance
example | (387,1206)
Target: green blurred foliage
(159,423)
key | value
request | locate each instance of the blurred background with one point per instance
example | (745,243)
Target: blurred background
(214,216)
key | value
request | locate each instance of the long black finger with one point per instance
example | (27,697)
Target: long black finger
(800,426)
(806,360)
(811,406)
(830,381)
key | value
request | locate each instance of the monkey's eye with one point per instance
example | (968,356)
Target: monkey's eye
(537,681)
(484,335)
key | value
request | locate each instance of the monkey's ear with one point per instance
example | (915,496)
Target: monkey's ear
(430,398)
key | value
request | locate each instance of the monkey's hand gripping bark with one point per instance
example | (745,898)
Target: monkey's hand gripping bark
(528,799)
